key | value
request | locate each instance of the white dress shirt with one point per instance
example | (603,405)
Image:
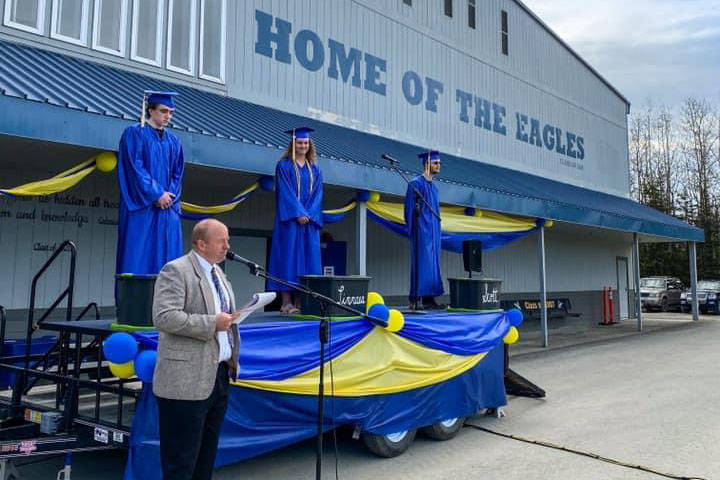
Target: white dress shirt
(222,337)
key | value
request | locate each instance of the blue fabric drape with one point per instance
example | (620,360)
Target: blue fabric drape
(452,241)
(258,421)
(279,350)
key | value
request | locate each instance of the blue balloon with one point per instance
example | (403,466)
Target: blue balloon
(145,365)
(362,196)
(120,347)
(380,311)
(267,183)
(470,211)
(515,316)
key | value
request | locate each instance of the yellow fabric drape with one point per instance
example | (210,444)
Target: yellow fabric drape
(223,208)
(62,181)
(455,220)
(344,209)
(380,363)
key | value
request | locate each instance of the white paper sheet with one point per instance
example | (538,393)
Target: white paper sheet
(258,301)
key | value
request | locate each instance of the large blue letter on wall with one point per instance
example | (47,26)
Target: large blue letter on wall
(265,37)
(302,39)
(348,62)
(412,87)
(373,67)
(434,88)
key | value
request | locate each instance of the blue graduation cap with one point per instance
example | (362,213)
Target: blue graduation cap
(432,155)
(165,98)
(300,132)
(154,96)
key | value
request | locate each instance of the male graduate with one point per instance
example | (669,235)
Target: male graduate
(425,279)
(150,173)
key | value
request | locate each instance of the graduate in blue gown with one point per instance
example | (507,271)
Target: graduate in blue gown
(150,173)
(295,247)
(425,249)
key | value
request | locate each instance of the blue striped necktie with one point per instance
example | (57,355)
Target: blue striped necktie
(223,301)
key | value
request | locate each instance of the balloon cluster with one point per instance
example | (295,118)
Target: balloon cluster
(375,307)
(364,196)
(515,317)
(267,183)
(121,350)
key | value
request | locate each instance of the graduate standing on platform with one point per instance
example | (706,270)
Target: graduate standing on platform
(150,173)
(295,247)
(425,279)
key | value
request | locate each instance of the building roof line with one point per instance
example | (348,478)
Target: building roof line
(573,52)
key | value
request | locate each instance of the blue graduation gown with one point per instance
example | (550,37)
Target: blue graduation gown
(295,248)
(425,250)
(148,237)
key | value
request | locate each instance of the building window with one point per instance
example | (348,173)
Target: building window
(147,31)
(504,31)
(448,8)
(181,41)
(109,26)
(212,39)
(70,20)
(27,15)
(408,2)
(471,14)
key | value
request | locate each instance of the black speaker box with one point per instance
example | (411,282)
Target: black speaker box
(134,297)
(472,255)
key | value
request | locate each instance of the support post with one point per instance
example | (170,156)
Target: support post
(361,239)
(543,286)
(636,280)
(693,281)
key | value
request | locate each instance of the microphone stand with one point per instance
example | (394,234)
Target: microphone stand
(416,217)
(324,337)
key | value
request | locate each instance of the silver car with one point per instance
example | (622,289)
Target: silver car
(660,293)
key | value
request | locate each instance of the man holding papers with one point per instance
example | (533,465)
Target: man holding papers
(198,344)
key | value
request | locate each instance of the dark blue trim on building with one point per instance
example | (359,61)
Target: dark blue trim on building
(56,98)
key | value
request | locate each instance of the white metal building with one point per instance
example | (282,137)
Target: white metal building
(524,124)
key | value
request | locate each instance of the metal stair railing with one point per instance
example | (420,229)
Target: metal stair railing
(32,326)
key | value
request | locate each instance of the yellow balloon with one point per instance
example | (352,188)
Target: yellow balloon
(396,321)
(511,336)
(549,223)
(374,197)
(123,370)
(106,161)
(478,212)
(372,299)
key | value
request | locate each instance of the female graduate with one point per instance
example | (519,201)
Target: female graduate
(295,247)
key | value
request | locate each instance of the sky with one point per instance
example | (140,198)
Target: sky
(652,51)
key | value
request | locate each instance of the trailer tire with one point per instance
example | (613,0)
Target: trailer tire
(443,430)
(391,445)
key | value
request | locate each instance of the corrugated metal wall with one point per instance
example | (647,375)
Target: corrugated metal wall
(578,258)
(540,78)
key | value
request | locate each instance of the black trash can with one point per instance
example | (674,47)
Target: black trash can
(134,299)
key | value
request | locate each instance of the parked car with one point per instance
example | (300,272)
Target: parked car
(708,292)
(660,293)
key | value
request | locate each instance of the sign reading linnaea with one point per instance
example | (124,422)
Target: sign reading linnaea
(364,70)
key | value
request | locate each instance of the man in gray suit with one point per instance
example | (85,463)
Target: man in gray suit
(197,353)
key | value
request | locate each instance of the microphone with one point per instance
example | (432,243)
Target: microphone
(254,267)
(390,159)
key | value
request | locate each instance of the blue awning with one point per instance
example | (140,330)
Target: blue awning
(53,97)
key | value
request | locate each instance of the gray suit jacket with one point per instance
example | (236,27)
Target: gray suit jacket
(187,355)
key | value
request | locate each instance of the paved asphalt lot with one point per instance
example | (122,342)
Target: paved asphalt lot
(651,399)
